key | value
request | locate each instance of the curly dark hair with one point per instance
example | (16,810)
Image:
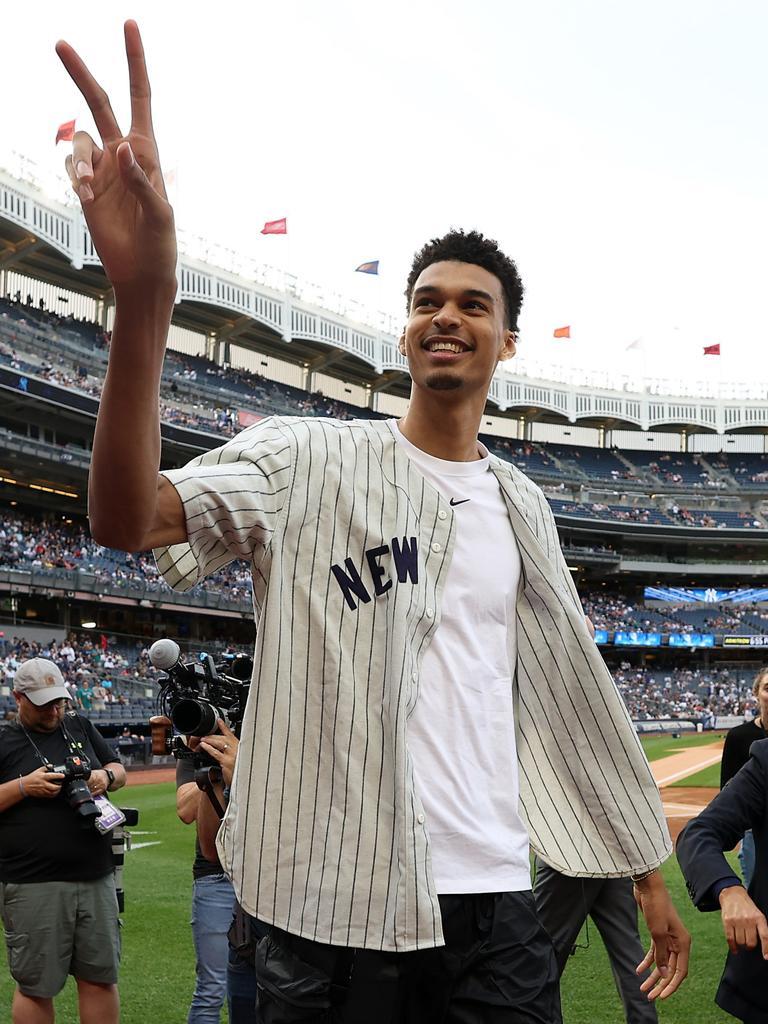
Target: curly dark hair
(472,247)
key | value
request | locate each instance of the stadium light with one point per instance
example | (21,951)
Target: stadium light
(88,625)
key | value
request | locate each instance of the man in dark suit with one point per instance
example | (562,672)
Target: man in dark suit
(712,884)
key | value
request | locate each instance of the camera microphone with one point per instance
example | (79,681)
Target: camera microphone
(164,654)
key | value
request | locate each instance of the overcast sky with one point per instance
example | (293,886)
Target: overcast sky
(617,151)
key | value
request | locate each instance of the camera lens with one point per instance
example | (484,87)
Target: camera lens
(80,799)
(195,717)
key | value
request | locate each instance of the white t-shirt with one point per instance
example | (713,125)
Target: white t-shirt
(461,734)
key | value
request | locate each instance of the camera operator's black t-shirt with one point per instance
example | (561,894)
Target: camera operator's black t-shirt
(201,866)
(43,840)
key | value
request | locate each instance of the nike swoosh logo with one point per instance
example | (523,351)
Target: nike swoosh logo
(461,502)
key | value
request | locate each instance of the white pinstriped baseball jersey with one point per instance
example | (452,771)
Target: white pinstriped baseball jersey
(325,835)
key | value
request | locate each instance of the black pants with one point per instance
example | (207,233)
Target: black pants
(497,967)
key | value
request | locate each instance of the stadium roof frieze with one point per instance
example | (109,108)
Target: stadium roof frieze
(293,320)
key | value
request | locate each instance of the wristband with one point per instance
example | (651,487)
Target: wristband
(643,875)
(21,787)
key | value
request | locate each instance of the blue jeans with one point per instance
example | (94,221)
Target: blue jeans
(747,857)
(213,903)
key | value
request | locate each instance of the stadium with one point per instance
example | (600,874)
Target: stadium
(660,497)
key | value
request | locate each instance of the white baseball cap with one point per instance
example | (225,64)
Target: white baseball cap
(41,681)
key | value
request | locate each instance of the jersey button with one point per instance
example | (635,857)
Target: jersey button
(420,819)
(430,613)
(442,514)
(436,547)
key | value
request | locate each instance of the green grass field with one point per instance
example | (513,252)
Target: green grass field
(157,972)
(656,747)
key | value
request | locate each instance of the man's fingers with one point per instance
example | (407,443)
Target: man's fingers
(92,92)
(153,205)
(225,730)
(141,94)
(650,981)
(646,962)
(662,954)
(678,966)
(79,165)
(85,155)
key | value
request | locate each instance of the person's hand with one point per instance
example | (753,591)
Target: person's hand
(42,783)
(670,942)
(98,781)
(744,925)
(222,747)
(120,184)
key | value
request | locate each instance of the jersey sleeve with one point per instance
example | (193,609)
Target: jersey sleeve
(232,497)
(555,551)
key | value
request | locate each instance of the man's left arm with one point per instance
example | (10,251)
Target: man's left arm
(670,940)
(110,776)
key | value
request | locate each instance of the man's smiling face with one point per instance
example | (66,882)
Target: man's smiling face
(456,331)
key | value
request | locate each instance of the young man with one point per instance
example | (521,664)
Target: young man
(420,645)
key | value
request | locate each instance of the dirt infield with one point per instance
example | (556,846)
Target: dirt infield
(667,770)
(142,776)
(680,805)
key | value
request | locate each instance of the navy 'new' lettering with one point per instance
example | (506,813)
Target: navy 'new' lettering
(406,558)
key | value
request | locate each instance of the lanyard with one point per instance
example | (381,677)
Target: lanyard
(74,749)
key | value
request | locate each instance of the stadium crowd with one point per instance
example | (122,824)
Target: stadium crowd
(102,674)
(231,397)
(47,544)
(701,694)
(96,672)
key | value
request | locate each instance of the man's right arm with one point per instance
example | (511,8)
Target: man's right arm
(130,506)
(39,783)
(121,189)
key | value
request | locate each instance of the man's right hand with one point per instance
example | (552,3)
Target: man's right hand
(42,783)
(744,925)
(120,186)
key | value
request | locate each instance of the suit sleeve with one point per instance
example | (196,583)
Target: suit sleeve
(233,498)
(738,807)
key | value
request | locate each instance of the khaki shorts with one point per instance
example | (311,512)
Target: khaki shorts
(53,929)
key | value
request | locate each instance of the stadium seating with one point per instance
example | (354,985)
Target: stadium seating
(200,395)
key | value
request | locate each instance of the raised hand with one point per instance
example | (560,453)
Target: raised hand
(120,183)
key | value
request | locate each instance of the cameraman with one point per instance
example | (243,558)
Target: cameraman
(57,893)
(212,904)
(245,932)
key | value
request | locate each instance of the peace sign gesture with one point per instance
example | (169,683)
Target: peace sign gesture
(120,184)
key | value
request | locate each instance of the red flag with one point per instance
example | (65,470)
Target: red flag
(562,332)
(276,227)
(65,132)
(247,419)
(712,350)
